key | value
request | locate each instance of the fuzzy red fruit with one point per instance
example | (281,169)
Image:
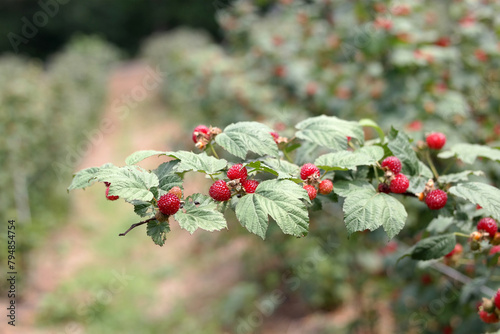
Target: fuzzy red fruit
(237,171)
(325,187)
(177,191)
(311,191)
(488,225)
(457,250)
(384,188)
(111,198)
(200,129)
(169,204)
(308,170)
(219,191)
(250,186)
(489,318)
(496,299)
(436,140)
(393,163)
(399,184)
(436,199)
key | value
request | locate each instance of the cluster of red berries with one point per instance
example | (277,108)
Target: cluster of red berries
(398,183)
(222,191)
(203,135)
(487,229)
(489,310)
(310,174)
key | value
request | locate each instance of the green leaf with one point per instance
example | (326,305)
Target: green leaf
(344,160)
(129,182)
(284,169)
(433,247)
(190,161)
(400,146)
(367,209)
(143,209)
(468,153)
(440,224)
(167,176)
(329,131)
(368,122)
(283,200)
(203,215)
(457,177)
(488,197)
(158,231)
(243,137)
(345,188)
(86,177)
(138,156)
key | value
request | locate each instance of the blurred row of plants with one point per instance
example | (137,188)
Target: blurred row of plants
(420,66)
(48,115)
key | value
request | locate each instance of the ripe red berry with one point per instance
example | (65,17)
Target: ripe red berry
(393,163)
(219,191)
(311,191)
(436,140)
(496,299)
(111,198)
(250,186)
(237,172)
(436,199)
(308,170)
(200,129)
(399,184)
(489,318)
(325,187)
(177,191)
(384,188)
(169,204)
(488,225)
(457,250)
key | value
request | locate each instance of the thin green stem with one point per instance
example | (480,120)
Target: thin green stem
(213,150)
(287,156)
(431,164)
(458,234)
(376,173)
(211,177)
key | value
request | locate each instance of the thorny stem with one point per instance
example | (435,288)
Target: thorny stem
(135,225)
(431,164)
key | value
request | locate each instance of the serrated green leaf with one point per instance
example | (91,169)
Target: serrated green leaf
(468,153)
(440,224)
(433,247)
(138,156)
(167,177)
(158,231)
(417,182)
(86,177)
(284,169)
(329,131)
(190,161)
(399,144)
(129,182)
(143,209)
(260,166)
(243,137)
(488,197)
(368,210)
(345,188)
(283,200)
(344,160)
(457,177)
(372,124)
(203,215)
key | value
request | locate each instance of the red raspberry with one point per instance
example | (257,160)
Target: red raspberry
(275,136)
(219,191)
(489,318)
(384,188)
(496,299)
(311,191)
(393,163)
(457,250)
(111,198)
(436,199)
(488,225)
(436,140)
(308,170)
(399,184)
(250,186)
(169,204)
(325,187)
(200,129)
(237,172)
(177,191)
